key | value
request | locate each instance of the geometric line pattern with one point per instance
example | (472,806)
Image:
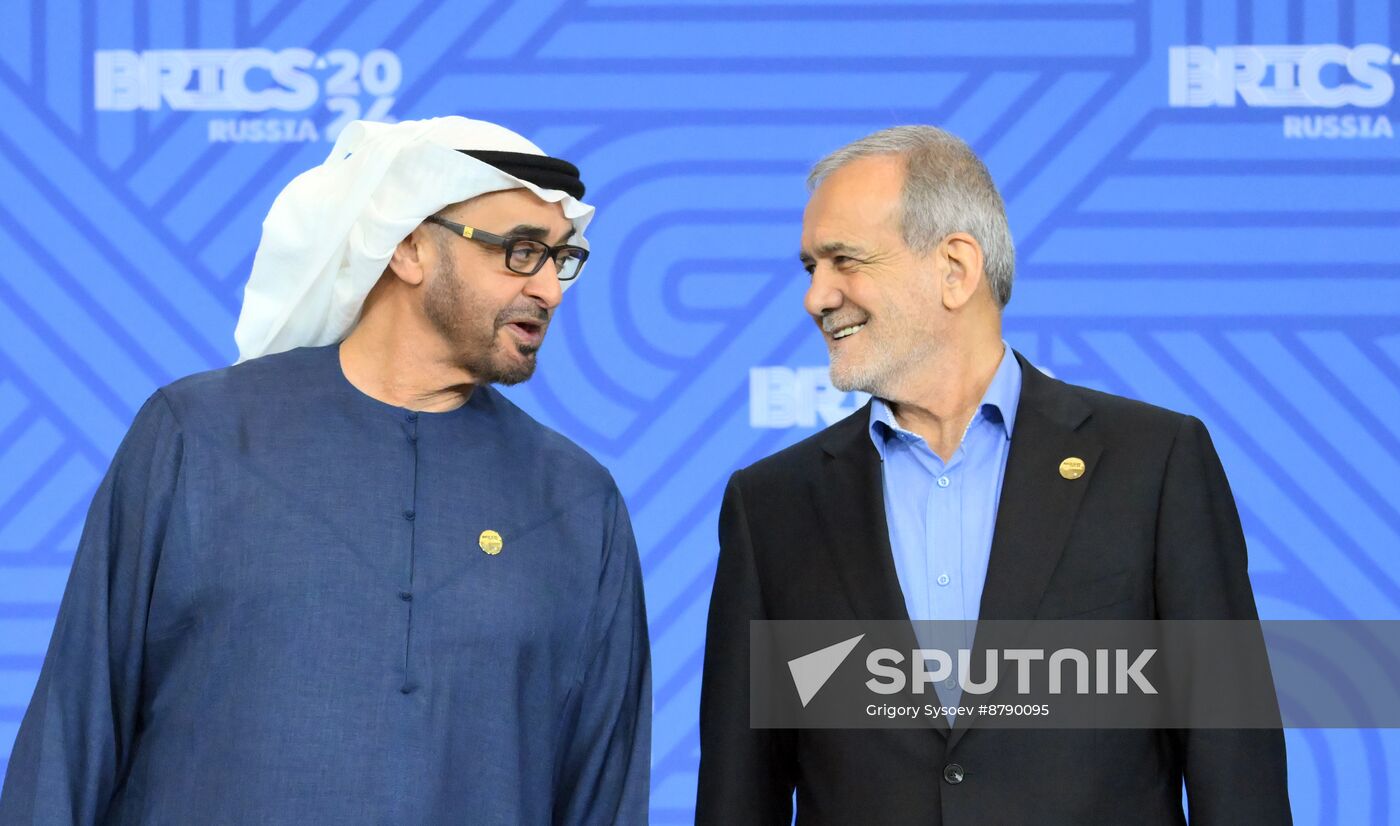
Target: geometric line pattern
(1194,258)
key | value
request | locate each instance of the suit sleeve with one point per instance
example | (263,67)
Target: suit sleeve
(605,770)
(1232,776)
(77,737)
(747,775)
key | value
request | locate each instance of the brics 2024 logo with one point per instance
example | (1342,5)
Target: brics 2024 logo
(1302,77)
(251,80)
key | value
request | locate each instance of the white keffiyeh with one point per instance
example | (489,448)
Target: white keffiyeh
(333,229)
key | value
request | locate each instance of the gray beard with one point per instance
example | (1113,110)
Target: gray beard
(879,375)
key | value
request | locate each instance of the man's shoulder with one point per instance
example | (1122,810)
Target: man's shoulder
(1144,434)
(803,459)
(553,452)
(1121,415)
(209,392)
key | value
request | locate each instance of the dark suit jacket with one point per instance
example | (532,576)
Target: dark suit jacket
(1149,532)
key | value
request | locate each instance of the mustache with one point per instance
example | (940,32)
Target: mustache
(831,323)
(533,315)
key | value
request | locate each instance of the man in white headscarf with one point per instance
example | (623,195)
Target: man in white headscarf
(345,580)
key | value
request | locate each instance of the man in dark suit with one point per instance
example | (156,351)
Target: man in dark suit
(972,486)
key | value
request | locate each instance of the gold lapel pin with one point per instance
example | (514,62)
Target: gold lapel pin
(1072,467)
(490,542)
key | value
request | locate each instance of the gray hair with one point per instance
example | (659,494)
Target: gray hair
(947,189)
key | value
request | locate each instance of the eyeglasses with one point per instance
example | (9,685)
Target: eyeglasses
(524,256)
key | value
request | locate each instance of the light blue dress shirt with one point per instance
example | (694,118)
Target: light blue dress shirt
(941,515)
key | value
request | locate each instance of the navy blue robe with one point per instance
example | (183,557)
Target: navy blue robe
(287,607)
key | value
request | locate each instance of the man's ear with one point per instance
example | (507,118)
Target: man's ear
(413,257)
(958,261)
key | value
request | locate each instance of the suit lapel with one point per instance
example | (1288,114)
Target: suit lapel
(850,500)
(850,497)
(1038,505)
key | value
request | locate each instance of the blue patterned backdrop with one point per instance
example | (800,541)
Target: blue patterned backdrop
(1195,228)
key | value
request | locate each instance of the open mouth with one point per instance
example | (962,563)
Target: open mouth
(527,332)
(846,332)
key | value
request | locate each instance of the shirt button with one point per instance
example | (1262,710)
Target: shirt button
(943,482)
(409,515)
(950,684)
(953,773)
(409,688)
(943,579)
(410,417)
(406,596)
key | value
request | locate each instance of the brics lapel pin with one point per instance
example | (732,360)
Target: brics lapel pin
(490,542)
(1072,467)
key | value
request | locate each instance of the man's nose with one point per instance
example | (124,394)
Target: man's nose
(824,294)
(544,286)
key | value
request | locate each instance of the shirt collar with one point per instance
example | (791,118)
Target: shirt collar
(998,403)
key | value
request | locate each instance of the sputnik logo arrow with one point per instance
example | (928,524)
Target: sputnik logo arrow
(811,671)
